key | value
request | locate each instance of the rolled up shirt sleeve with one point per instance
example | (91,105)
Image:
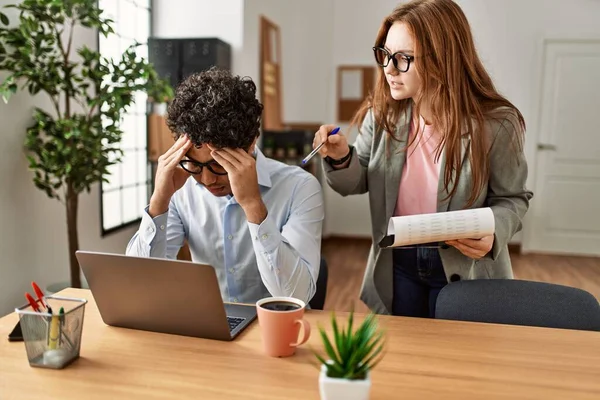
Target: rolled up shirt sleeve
(289,259)
(159,237)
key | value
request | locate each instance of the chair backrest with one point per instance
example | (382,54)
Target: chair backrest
(318,300)
(517,302)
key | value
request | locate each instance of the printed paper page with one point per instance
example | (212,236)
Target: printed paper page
(439,227)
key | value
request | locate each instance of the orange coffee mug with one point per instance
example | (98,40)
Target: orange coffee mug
(280,320)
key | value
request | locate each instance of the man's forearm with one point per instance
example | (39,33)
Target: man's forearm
(158,206)
(256,212)
(284,272)
(286,268)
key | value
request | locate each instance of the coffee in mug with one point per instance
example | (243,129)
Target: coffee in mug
(280,320)
(280,306)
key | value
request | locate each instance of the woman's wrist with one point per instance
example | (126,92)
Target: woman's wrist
(341,162)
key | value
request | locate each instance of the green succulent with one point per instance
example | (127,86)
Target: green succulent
(352,354)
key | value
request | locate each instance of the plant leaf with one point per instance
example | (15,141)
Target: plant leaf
(339,340)
(4,18)
(335,369)
(369,363)
(348,339)
(366,331)
(361,356)
(361,347)
(350,320)
(321,359)
(328,348)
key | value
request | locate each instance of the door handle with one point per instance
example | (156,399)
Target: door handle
(546,146)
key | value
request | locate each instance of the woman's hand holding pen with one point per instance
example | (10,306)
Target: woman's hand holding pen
(474,248)
(336,146)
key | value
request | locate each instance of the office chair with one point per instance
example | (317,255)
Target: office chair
(517,302)
(318,300)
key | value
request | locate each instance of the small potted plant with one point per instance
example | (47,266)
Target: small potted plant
(350,356)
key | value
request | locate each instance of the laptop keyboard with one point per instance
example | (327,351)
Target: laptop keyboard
(234,322)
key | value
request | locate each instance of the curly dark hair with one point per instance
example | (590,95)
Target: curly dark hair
(216,107)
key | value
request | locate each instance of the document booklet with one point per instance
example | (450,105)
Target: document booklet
(439,227)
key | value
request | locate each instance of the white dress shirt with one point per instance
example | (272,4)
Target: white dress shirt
(279,257)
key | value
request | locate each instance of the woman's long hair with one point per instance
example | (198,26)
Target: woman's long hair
(459,91)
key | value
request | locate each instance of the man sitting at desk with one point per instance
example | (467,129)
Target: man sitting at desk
(255,220)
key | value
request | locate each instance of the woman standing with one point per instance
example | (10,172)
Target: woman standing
(435,136)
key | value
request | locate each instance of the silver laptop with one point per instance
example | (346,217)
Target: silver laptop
(160,295)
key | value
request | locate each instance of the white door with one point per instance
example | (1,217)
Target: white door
(566,206)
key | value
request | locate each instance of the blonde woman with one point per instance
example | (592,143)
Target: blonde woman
(435,135)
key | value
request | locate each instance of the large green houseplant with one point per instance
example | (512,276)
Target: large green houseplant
(71,144)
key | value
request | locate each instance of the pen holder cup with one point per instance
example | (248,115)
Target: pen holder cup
(53,341)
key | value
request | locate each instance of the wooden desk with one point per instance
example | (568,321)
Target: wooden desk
(425,359)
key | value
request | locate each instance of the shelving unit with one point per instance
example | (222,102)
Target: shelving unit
(290,147)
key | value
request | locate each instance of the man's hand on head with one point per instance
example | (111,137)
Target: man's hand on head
(170,177)
(243,178)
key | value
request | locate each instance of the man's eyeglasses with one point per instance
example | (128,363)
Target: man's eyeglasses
(195,167)
(400,60)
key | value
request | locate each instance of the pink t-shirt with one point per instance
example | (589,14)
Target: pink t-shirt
(418,191)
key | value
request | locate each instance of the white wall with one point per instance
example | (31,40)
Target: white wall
(200,18)
(275,11)
(509,35)
(306,41)
(33,234)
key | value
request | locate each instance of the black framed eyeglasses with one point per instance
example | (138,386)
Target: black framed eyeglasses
(195,167)
(400,60)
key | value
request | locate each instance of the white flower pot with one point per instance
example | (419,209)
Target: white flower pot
(346,389)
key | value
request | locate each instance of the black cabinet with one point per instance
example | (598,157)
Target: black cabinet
(175,59)
(165,55)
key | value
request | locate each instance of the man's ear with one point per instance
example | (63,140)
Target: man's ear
(252,146)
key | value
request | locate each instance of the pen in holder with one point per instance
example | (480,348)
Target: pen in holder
(53,340)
